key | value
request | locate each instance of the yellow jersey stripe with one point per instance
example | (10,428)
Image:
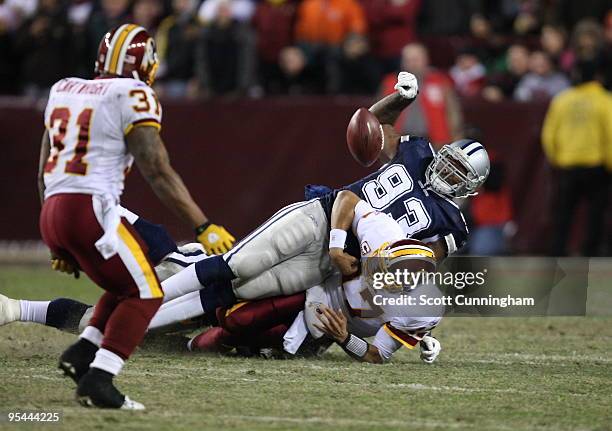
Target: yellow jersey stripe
(151,123)
(141,260)
(396,337)
(117,48)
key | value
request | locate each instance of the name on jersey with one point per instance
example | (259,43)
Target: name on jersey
(76,87)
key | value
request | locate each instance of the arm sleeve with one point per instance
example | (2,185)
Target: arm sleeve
(400,331)
(139,106)
(361,209)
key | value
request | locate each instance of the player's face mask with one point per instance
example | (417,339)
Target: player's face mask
(458,169)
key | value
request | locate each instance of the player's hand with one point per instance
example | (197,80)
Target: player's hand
(215,239)
(62,265)
(407,85)
(333,323)
(430,349)
(347,264)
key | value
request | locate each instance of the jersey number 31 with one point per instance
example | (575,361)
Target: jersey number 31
(76,165)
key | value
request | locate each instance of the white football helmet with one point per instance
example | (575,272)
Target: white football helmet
(458,169)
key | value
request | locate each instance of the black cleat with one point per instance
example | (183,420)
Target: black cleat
(75,361)
(96,389)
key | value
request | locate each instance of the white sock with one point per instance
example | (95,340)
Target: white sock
(180,284)
(183,308)
(108,361)
(92,334)
(34,311)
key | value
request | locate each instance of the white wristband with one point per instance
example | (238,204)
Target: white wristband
(355,345)
(337,238)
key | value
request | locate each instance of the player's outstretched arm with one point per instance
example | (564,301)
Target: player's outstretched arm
(388,109)
(151,157)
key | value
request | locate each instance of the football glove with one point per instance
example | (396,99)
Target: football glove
(62,265)
(407,85)
(215,239)
(430,349)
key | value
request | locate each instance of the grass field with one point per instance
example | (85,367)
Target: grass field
(494,373)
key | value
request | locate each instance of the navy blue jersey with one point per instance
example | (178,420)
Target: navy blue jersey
(397,188)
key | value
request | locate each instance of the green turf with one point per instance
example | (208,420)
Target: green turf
(495,373)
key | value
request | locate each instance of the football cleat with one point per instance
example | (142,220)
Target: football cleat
(96,389)
(75,361)
(10,310)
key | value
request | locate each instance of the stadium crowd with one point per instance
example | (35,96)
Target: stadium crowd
(520,49)
(523,50)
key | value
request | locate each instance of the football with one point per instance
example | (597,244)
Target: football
(364,137)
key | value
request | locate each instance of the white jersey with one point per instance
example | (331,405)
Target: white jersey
(392,326)
(87,121)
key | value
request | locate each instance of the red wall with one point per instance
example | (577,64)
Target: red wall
(243,160)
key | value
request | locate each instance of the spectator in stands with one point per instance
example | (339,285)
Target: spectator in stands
(391,26)
(484,42)
(225,56)
(321,28)
(553,42)
(542,82)
(273,25)
(436,113)
(176,39)
(301,75)
(527,20)
(577,141)
(587,40)
(239,10)
(588,43)
(147,13)
(468,74)
(491,214)
(45,41)
(359,70)
(501,85)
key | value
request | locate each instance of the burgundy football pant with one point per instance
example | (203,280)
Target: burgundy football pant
(70,228)
(255,324)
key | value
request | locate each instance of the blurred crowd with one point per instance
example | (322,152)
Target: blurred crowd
(498,49)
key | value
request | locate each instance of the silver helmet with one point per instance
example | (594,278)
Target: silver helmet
(458,169)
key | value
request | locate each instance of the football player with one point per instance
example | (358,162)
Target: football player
(345,312)
(289,252)
(95,129)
